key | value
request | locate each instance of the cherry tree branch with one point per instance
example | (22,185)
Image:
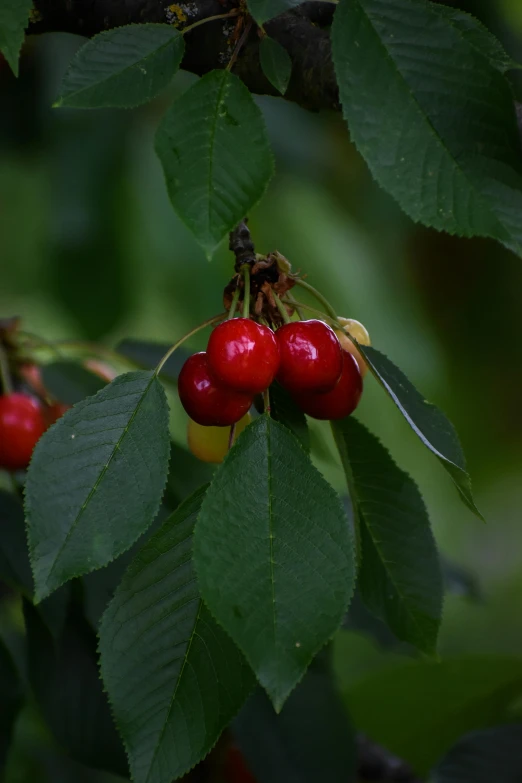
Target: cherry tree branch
(302,31)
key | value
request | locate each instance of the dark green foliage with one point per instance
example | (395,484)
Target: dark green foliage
(171,706)
(399,570)
(215,153)
(274,555)
(451,152)
(69,382)
(11,699)
(148,355)
(310,740)
(276,63)
(110,454)
(15,568)
(64,677)
(284,410)
(484,756)
(426,420)
(13,20)
(122,67)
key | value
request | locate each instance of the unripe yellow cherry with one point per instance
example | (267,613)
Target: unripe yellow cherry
(210,444)
(360,333)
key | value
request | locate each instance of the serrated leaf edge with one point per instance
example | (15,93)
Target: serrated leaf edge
(452,231)
(278,705)
(63,100)
(203,489)
(210,248)
(38,595)
(463,471)
(432,651)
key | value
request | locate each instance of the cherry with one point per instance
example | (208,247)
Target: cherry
(21,425)
(205,401)
(339,401)
(55,411)
(360,333)
(311,358)
(210,444)
(243,355)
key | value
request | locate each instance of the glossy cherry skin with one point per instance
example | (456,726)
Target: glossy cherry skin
(339,401)
(207,402)
(243,355)
(22,423)
(311,357)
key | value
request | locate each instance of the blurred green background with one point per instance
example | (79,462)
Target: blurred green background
(91,249)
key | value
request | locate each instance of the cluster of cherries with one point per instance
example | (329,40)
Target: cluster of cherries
(323,372)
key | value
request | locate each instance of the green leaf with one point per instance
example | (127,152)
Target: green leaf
(399,574)
(11,698)
(14,16)
(483,757)
(122,67)
(15,568)
(424,707)
(263,10)
(96,479)
(309,741)
(426,420)
(100,586)
(63,673)
(149,354)
(274,555)
(276,63)
(478,36)
(172,705)
(70,382)
(284,410)
(433,118)
(215,153)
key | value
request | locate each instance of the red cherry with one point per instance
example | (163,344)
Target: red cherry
(206,401)
(21,425)
(311,357)
(55,411)
(341,400)
(243,355)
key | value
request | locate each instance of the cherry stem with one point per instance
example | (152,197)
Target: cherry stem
(230,14)
(233,306)
(281,308)
(38,342)
(176,345)
(320,298)
(232,436)
(266,401)
(246,292)
(100,351)
(323,315)
(5,375)
(239,46)
(296,304)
